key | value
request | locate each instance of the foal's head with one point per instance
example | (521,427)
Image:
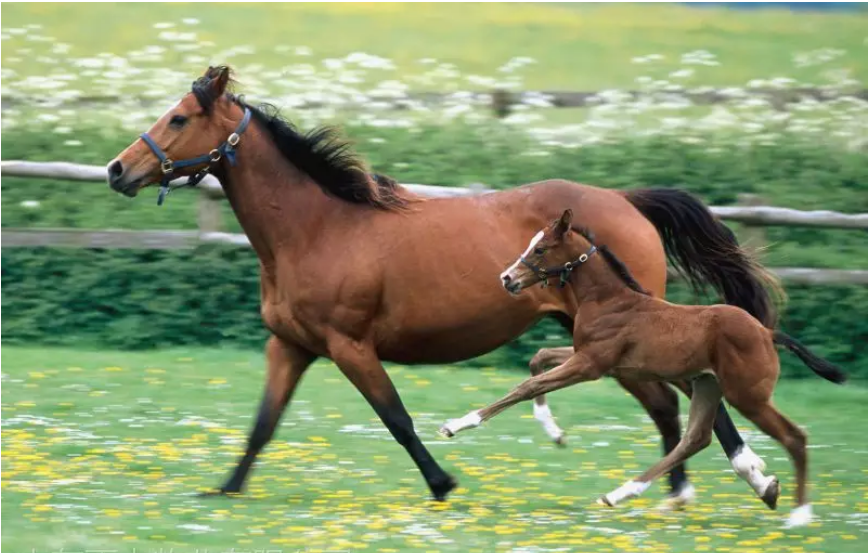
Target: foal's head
(193,128)
(551,251)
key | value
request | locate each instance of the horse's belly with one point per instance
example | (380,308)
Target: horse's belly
(449,345)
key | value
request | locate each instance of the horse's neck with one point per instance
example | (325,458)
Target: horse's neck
(278,206)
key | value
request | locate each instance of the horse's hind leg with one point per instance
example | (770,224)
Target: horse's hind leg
(545,359)
(286,364)
(703,406)
(794,440)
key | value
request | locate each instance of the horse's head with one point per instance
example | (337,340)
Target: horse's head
(551,252)
(186,140)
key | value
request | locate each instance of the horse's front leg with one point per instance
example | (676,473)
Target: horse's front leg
(578,368)
(360,364)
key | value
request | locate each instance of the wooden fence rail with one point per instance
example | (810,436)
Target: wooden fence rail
(211,194)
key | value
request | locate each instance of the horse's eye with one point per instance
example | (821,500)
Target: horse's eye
(178,121)
(539,251)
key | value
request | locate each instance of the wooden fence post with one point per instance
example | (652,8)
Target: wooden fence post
(209,216)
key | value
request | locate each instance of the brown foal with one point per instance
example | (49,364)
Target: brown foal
(357,269)
(627,333)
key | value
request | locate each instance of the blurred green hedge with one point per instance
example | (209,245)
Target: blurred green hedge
(140,299)
(143,299)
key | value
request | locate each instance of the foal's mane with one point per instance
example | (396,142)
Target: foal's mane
(320,153)
(612,261)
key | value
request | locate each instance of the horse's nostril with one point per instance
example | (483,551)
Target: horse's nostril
(506,278)
(115,170)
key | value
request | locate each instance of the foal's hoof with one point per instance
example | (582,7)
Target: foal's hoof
(561,441)
(773,491)
(442,488)
(604,500)
(445,432)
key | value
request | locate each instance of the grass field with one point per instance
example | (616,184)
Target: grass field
(105,451)
(576,46)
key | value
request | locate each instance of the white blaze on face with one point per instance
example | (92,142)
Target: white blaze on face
(533,242)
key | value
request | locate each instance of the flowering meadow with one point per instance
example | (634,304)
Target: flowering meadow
(107,451)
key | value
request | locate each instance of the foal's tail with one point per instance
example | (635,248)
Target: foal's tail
(706,252)
(817,364)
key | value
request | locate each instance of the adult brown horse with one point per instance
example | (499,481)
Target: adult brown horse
(357,269)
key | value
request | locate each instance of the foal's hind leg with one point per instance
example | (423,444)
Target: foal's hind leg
(544,359)
(661,403)
(703,406)
(794,440)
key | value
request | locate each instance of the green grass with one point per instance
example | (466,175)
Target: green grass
(104,451)
(577,47)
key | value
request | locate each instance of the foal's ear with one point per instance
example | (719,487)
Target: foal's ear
(563,225)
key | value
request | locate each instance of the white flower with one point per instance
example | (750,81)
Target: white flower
(30,204)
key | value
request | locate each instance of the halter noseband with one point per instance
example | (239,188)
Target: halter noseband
(564,271)
(168,167)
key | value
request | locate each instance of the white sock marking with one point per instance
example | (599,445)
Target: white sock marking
(749,466)
(800,516)
(633,488)
(543,414)
(470,420)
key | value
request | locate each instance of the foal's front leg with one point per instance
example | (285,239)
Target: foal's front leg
(578,368)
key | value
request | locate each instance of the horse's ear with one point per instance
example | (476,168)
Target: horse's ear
(218,79)
(564,223)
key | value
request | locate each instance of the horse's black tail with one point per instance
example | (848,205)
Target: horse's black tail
(706,252)
(817,364)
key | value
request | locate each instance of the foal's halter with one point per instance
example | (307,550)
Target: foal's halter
(168,167)
(563,271)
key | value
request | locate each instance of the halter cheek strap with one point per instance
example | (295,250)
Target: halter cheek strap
(564,271)
(168,166)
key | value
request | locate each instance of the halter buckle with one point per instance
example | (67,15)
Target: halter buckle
(166,166)
(233,139)
(582,258)
(215,155)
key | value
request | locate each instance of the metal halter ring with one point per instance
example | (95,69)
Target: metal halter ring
(166,166)
(233,139)
(582,258)
(215,155)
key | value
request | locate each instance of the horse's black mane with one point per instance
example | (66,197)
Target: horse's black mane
(613,261)
(320,153)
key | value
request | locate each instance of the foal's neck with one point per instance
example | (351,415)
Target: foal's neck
(596,286)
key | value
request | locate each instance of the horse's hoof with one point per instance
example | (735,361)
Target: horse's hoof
(773,491)
(603,500)
(561,441)
(445,432)
(441,489)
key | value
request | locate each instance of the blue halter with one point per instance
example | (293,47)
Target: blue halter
(168,167)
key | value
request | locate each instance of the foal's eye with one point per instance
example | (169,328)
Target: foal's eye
(539,251)
(178,121)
